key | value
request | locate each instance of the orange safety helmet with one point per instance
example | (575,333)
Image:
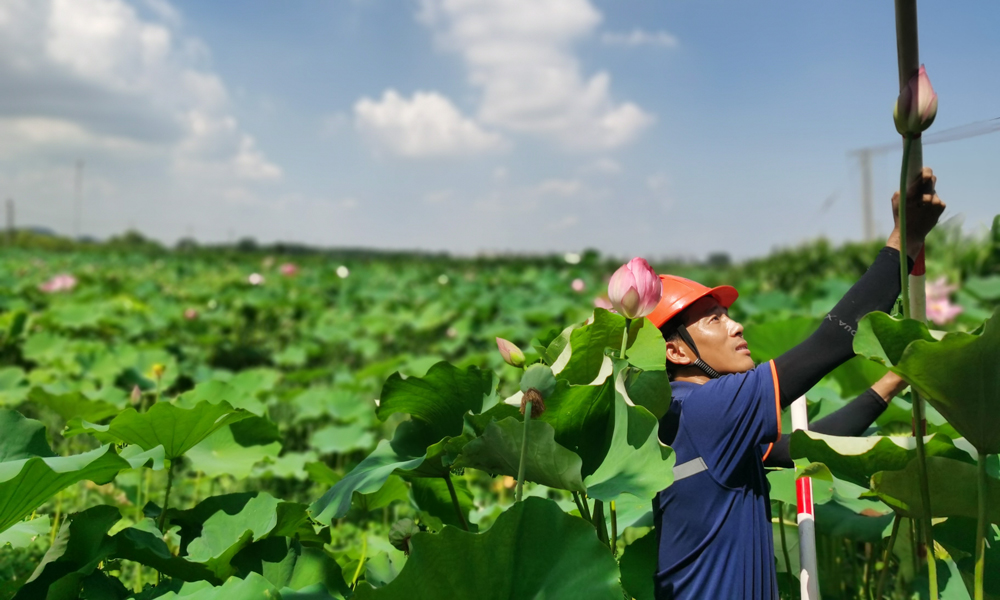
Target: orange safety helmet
(680,293)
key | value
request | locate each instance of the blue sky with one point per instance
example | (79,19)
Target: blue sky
(637,127)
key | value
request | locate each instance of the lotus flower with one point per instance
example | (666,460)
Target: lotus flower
(916,105)
(634,289)
(59,283)
(255,279)
(578,285)
(190,314)
(511,354)
(289,269)
(940,310)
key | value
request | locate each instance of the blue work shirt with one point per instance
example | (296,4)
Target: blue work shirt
(714,532)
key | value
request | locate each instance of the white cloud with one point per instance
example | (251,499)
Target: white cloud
(639,37)
(426,125)
(518,53)
(604,166)
(96,76)
(559,187)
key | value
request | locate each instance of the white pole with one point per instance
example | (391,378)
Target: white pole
(809,573)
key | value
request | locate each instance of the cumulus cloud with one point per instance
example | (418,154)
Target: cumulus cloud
(519,54)
(97,75)
(425,125)
(638,37)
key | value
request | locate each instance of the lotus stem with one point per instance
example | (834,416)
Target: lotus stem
(614,528)
(579,505)
(166,498)
(904,266)
(981,528)
(628,323)
(586,506)
(524,453)
(364,552)
(784,544)
(599,522)
(454,501)
(887,555)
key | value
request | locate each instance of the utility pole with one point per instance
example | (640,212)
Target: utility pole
(867,208)
(78,187)
(10,221)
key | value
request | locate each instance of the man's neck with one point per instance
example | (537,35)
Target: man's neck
(692,375)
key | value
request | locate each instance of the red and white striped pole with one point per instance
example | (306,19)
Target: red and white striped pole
(809,570)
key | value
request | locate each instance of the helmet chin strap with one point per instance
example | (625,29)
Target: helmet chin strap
(712,373)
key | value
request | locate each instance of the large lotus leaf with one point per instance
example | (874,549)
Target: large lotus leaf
(438,401)
(144,544)
(952,487)
(220,454)
(367,477)
(856,459)
(73,405)
(534,550)
(638,565)
(286,563)
(255,382)
(26,483)
(321,401)
(23,533)
(498,451)
(22,437)
(648,352)
(338,439)
(431,495)
(636,462)
(650,390)
(215,391)
(254,587)
(771,339)
(394,489)
(176,429)
(959,376)
(958,535)
(13,386)
(289,465)
(783,487)
(223,534)
(317,591)
(580,415)
(884,339)
(190,521)
(81,545)
(839,521)
(589,343)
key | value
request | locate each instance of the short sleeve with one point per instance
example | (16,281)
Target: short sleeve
(728,418)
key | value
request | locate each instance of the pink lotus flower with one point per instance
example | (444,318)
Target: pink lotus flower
(289,269)
(59,283)
(190,314)
(511,354)
(940,310)
(916,106)
(578,285)
(634,289)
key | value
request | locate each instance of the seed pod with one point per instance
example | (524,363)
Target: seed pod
(400,534)
(537,402)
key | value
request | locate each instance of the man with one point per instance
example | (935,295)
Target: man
(713,523)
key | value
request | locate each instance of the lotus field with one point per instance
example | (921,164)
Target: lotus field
(213,424)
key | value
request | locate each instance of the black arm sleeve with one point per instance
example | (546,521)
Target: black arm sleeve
(833,343)
(851,420)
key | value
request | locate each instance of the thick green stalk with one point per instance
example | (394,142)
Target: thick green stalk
(579,505)
(599,522)
(887,555)
(524,452)
(784,544)
(628,322)
(166,497)
(454,501)
(981,528)
(586,506)
(614,530)
(918,404)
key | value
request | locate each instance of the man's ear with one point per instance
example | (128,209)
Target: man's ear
(678,353)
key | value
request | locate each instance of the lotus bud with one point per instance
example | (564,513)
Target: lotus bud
(158,370)
(537,402)
(400,534)
(511,354)
(916,105)
(634,289)
(190,314)
(136,396)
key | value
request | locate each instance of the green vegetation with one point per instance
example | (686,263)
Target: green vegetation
(203,423)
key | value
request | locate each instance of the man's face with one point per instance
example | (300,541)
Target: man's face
(719,339)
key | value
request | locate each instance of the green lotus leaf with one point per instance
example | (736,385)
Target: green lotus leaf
(321,402)
(144,544)
(73,405)
(223,535)
(856,459)
(839,521)
(588,346)
(554,556)
(648,352)
(291,465)
(984,288)
(580,416)
(791,544)
(636,462)
(253,586)
(431,495)
(769,340)
(190,521)
(394,489)
(958,375)
(958,535)
(287,564)
(22,437)
(649,389)
(952,486)
(638,565)
(22,533)
(438,401)
(215,391)
(883,338)
(540,378)
(220,453)
(339,439)
(367,477)
(255,382)
(13,386)
(498,451)
(176,429)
